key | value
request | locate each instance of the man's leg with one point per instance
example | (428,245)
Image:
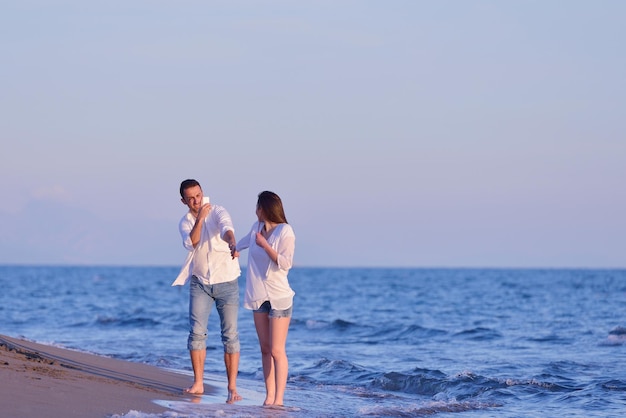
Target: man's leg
(227,303)
(200,304)
(197,363)
(231,360)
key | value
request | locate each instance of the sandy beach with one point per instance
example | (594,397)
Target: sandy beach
(39,380)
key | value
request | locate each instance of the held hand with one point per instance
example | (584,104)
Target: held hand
(233,251)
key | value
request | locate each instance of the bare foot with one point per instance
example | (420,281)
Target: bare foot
(233,396)
(195,389)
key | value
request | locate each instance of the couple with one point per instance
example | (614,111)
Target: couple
(212,265)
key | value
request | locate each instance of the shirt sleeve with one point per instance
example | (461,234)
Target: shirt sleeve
(244,242)
(185,227)
(223,220)
(285,248)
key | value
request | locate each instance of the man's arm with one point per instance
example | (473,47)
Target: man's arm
(229,237)
(227,230)
(196,231)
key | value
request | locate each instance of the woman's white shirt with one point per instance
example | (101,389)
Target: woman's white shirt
(265,279)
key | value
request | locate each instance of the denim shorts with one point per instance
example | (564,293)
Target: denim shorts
(274,313)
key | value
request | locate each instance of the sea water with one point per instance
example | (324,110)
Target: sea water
(362,341)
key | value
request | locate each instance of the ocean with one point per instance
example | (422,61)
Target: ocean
(374,342)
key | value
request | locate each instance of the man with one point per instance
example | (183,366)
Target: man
(207,232)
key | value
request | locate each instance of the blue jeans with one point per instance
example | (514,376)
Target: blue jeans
(225,296)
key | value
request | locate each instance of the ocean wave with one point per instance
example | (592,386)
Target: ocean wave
(534,383)
(336,325)
(418,382)
(551,338)
(436,384)
(127,322)
(404,334)
(337,372)
(617,336)
(466,388)
(479,334)
(369,334)
(618,385)
(425,408)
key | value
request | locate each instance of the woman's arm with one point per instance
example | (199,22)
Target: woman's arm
(285,246)
(262,242)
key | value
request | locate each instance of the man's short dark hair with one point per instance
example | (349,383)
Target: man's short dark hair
(187,184)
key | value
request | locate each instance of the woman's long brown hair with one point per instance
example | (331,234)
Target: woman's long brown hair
(272,207)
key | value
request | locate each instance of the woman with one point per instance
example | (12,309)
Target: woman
(270,243)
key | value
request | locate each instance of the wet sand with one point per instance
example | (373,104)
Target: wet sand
(38,380)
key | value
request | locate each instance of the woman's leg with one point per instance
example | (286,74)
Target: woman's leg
(278,328)
(262,324)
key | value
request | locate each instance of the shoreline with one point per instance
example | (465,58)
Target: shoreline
(42,380)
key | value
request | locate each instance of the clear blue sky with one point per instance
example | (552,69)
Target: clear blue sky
(398,133)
